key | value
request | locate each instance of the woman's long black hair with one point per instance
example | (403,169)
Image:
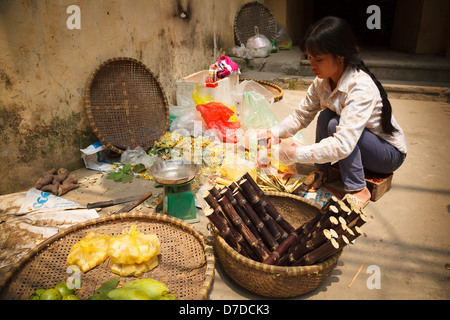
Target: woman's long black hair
(334,35)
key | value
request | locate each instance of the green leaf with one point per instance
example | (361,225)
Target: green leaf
(126,168)
(106,287)
(112,175)
(127,178)
(138,168)
(119,176)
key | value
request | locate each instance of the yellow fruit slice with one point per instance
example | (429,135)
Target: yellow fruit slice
(89,252)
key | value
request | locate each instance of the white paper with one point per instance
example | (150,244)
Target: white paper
(94,157)
(37,200)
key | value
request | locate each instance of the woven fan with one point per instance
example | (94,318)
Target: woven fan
(126,105)
(253,14)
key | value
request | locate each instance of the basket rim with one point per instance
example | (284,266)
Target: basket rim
(87,99)
(270,84)
(291,271)
(249,4)
(208,250)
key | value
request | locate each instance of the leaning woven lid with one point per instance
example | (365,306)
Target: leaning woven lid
(252,14)
(126,105)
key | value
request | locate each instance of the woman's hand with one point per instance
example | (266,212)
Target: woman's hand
(269,137)
(285,153)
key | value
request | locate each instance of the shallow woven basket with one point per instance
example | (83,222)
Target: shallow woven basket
(252,14)
(277,281)
(276,90)
(126,105)
(186,263)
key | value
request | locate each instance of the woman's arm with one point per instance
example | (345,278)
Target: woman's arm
(301,117)
(357,110)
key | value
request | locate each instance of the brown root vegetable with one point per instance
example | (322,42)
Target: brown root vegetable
(53,188)
(64,188)
(47,178)
(61,175)
(71,179)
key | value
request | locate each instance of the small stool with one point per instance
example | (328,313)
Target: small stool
(378,184)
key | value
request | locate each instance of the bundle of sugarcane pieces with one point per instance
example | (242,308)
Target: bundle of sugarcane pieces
(251,225)
(271,182)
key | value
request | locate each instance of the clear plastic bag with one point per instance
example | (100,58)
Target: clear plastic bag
(137,156)
(259,45)
(282,38)
(186,119)
(256,112)
(241,52)
(250,86)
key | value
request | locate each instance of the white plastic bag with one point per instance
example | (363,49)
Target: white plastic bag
(259,45)
(187,119)
(250,86)
(241,52)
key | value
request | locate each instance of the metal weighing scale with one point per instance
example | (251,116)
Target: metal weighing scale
(175,176)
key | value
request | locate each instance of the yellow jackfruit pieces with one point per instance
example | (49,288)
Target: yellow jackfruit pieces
(133,253)
(89,252)
(135,269)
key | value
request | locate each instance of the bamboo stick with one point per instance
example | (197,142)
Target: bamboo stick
(285,245)
(212,202)
(357,273)
(245,249)
(224,230)
(332,201)
(257,246)
(227,193)
(258,207)
(343,209)
(267,236)
(233,186)
(215,192)
(323,252)
(356,233)
(359,221)
(342,226)
(270,208)
(307,246)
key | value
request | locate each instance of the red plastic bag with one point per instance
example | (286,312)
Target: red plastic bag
(217,117)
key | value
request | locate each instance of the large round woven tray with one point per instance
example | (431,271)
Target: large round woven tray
(186,263)
(276,90)
(126,105)
(276,281)
(252,14)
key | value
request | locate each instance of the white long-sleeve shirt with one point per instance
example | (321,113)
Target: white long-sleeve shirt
(356,99)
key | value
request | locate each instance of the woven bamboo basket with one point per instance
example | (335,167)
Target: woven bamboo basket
(126,105)
(277,281)
(252,14)
(276,90)
(186,263)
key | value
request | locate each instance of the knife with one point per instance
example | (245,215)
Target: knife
(108,203)
(130,206)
